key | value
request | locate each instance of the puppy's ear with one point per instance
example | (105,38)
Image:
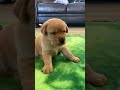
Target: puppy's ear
(21,10)
(44,29)
(67,29)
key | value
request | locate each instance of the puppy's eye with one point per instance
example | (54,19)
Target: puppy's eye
(54,33)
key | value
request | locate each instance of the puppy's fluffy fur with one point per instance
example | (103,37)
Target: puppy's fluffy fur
(17,47)
(52,42)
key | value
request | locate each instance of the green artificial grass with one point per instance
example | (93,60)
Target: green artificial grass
(67,75)
(4,24)
(8,83)
(103,52)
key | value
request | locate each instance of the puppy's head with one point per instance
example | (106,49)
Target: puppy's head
(55,31)
(24,10)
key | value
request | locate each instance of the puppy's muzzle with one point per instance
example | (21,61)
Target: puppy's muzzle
(62,40)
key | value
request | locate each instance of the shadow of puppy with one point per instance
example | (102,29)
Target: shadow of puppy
(17,46)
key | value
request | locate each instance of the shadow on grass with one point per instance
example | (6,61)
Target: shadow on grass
(66,80)
(66,75)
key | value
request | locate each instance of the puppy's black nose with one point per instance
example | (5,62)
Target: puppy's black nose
(62,40)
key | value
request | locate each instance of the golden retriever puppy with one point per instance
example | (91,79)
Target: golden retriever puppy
(52,42)
(17,45)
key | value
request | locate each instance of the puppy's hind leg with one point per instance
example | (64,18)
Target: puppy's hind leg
(66,52)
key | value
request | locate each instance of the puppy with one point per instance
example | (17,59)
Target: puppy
(17,47)
(52,42)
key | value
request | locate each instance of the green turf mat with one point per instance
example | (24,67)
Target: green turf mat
(103,52)
(8,83)
(4,24)
(66,75)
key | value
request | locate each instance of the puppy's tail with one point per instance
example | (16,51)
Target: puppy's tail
(1,27)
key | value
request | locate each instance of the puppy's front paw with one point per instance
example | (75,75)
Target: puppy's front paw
(75,59)
(47,69)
